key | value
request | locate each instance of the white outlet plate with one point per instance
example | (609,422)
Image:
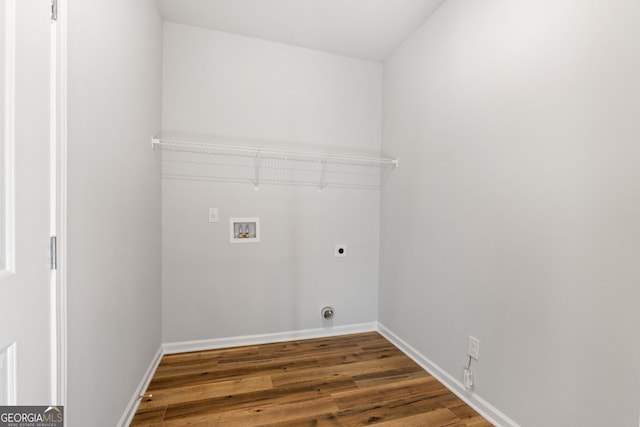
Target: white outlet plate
(468,378)
(473,347)
(214,215)
(341,250)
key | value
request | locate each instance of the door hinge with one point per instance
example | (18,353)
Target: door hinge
(54,10)
(53,247)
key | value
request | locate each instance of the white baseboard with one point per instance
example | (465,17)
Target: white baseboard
(481,406)
(185,346)
(132,407)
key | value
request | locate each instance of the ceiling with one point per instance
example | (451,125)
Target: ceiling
(365,29)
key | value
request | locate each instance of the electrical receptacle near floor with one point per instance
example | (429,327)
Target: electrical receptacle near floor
(468,378)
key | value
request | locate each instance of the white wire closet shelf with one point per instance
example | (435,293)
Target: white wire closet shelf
(257,165)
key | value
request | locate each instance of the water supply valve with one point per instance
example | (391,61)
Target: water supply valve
(327,313)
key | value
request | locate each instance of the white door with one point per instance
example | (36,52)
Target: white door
(27,337)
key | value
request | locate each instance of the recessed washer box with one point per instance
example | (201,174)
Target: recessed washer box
(244,230)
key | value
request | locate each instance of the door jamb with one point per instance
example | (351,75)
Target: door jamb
(59,161)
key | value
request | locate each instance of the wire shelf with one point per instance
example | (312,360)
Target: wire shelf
(198,160)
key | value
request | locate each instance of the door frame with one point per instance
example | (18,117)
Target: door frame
(59,199)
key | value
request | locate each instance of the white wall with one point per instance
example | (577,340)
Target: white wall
(516,125)
(114,284)
(222,84)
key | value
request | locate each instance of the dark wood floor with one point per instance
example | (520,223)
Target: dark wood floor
(352,380)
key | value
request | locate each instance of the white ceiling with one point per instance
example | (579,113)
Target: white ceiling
(366,29)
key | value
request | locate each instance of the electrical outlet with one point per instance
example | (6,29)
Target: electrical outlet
(214,215)
(473,347)
(468,378)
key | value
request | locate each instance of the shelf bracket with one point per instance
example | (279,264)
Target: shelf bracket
(257,160)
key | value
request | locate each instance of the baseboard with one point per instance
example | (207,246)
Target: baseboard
(481,406)
(132,407)
(186,346)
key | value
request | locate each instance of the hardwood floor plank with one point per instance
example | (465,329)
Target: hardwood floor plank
(468,416)
(326,420)
(191,393)
(150,417)
(390,376)
(210,355)
(349,369)
(426,388)
(389,403)
(437,418)
(174,370)
(277,396)
(372,415)
(259,414)
(352,380)
(230,373)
